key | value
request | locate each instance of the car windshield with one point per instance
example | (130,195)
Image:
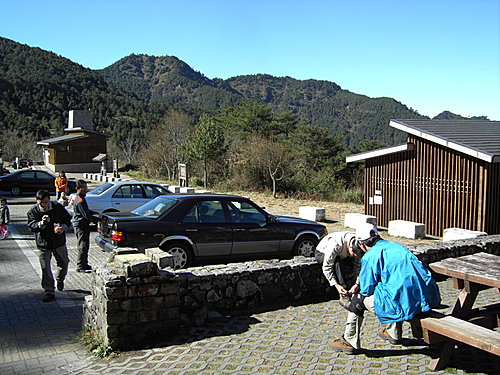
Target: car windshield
(155,208)
(100,189)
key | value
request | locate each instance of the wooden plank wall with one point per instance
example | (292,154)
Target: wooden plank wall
(434,185)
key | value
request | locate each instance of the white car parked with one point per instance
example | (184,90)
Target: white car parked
(120,196)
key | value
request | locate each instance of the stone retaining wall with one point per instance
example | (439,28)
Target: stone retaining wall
(136,305)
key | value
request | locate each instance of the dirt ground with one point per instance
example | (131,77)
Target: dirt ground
(334,212)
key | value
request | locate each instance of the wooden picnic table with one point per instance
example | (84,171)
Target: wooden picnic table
(470,274)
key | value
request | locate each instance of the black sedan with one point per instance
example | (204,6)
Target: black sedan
(30,181)
(196,228)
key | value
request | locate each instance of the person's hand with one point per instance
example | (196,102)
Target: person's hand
(58,229)
(45,219)
(353,290)
(341,290)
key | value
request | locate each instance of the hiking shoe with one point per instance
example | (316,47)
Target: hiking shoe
(341,345)
(382,333)
(48,297)
(60,285)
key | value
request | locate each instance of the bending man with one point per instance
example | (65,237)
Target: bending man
(393,283)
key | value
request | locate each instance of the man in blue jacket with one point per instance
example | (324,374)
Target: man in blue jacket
(393,283)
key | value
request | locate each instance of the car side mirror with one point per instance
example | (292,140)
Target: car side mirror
(271,219)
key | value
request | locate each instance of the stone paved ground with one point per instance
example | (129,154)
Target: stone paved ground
(42,338)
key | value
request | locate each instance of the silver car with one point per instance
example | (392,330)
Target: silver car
(120,196)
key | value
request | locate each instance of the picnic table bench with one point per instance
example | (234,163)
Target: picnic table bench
(470,274)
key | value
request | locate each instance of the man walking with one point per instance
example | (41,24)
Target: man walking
(49,221)
(393,283)
(82,217)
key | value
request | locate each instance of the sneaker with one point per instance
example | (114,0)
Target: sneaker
(86,269)
(341,345)
(60,285)
(48,297)
(382,333)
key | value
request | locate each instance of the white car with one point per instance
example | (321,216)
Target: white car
(120,196)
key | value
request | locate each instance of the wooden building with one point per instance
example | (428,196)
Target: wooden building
(447,175)
(74,151)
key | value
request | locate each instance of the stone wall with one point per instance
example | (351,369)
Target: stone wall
(134,304)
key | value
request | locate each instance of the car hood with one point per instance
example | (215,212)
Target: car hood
(296,220)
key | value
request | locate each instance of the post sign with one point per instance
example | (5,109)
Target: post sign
(183,175)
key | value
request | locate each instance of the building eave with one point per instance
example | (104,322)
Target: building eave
(380,152)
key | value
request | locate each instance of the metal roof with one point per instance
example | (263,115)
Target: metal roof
(478,138)
(62,138)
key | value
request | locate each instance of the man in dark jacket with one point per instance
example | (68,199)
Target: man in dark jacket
(49,221)
(82,217)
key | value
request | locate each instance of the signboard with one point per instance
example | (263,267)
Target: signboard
(183,175)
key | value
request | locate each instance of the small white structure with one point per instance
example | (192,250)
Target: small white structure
(353,220)
(186,190)
(312,213)
(174,188)
(452,234)
(408,229)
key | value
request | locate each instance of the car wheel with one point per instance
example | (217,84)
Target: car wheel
(110,210)
(16,190)
(181,252)
(305,246)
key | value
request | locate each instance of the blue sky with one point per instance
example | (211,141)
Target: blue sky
(431,55)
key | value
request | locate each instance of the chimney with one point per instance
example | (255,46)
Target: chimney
(80,119)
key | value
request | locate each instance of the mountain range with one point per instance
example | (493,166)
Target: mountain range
(38,88)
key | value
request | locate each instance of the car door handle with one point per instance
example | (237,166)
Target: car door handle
(191,230)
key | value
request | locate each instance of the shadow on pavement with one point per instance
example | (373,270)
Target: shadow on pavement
(220,327)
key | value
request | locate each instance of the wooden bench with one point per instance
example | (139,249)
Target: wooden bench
(435,327)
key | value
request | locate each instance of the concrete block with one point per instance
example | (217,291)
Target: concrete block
(136,265)
(312,213)
(161,258)
(408,229)
(186,190)
(452,234)
(174,189)
(353,219)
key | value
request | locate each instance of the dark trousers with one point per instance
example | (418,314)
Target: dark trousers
(83,238)
(62,261)
(344,269)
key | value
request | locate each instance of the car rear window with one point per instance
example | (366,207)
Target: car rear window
(152,191)
(155,208)
(101,189)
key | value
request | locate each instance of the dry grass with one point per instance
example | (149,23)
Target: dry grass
(334,212)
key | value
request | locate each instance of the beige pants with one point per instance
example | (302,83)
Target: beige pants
(353,324)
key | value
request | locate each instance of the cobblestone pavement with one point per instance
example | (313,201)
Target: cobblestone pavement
(43,338)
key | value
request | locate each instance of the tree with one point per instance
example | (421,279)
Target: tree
(163,150)
(206,144)
(20,144)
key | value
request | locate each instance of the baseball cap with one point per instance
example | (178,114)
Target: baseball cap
(366,231)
